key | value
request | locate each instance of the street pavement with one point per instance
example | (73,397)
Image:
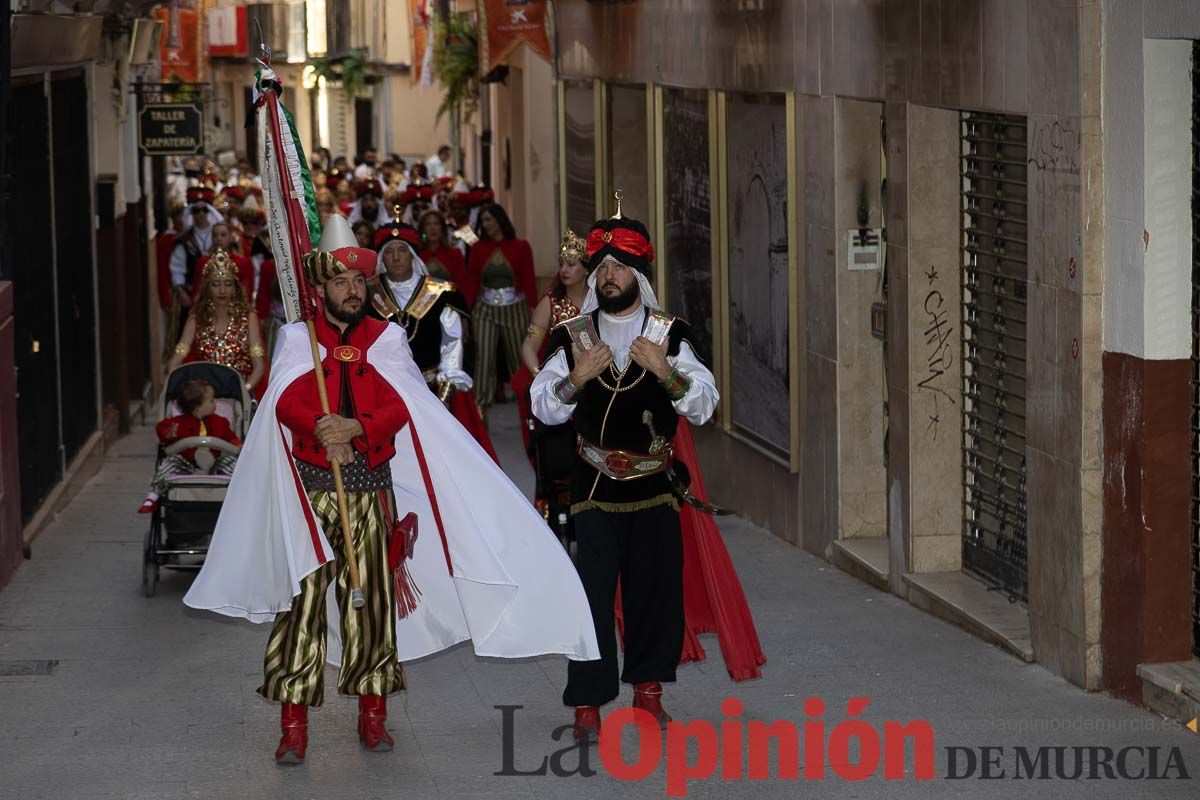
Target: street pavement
(148,699)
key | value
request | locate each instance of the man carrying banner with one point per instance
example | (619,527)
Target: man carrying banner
(347,439)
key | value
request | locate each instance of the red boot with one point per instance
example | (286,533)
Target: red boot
(372,711)
(294,721)
(587,723)
(648,697)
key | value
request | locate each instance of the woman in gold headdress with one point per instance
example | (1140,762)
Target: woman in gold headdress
(560,302)
(223,329)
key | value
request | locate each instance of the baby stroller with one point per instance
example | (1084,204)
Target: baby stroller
(552,448)
(182,524)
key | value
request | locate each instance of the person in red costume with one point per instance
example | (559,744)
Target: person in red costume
(223,239)
(168,299)
(487,571)
(503,266)
(257,248)
(560,302)
(198,417)
(223,328)
(365,413)
(442,259)
(164,243)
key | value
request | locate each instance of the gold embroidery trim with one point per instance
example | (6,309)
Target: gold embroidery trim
(667,499)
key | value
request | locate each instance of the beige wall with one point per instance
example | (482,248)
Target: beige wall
(934,315)
(110,115)
(524,114)
(862,480)
(412,128)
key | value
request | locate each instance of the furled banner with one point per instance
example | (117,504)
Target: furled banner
(422,51)
(179,52)
(291,210)
(506,24)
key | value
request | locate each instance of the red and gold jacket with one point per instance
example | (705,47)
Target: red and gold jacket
(172,429)
(377,406)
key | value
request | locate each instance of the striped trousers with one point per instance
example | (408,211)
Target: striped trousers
(294,666)
(179,465)
(502,327)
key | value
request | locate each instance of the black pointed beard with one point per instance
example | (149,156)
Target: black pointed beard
(621,302)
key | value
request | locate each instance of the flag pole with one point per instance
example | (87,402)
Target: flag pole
(299,243)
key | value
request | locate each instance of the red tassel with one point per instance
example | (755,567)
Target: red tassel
(407,593)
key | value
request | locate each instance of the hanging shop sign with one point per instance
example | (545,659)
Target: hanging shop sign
(504,25)
(171,129)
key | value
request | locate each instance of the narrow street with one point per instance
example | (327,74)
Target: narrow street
(148,699)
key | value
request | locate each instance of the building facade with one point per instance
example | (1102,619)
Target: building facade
(946,290)
(74,302)
(394,112)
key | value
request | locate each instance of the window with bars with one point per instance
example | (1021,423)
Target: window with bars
(994,278)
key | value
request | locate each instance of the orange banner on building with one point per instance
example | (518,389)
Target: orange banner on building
(506,24)
(179,51)
(422,21)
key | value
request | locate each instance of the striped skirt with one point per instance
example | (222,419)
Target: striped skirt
(496,328)
(294,666)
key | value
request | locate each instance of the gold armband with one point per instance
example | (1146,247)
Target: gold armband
(535,331)
(256,351)
(181,349)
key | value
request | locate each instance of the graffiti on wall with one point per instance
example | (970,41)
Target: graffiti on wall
(938,334)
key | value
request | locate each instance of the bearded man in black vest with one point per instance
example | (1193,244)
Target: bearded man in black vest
(624,395)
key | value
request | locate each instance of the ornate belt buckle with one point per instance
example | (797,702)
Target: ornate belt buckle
(618,464)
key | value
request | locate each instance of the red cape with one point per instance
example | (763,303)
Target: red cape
(519,256)
(520,384)
(713,600)
(462,406)
(452,259)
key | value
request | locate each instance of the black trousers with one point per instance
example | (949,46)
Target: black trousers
(644,548)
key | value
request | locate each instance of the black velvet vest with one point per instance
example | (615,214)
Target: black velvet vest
(609,413)
(425,334)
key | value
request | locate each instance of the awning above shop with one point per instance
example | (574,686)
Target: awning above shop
(52,39)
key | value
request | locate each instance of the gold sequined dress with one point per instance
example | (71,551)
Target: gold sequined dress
(230,347)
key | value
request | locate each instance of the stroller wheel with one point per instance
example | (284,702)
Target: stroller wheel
(149,566)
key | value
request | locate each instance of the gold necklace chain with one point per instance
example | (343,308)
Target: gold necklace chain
(620,377)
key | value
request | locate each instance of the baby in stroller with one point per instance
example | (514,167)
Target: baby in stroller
(198,406)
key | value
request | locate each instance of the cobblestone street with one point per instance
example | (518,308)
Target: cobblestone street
(147,699)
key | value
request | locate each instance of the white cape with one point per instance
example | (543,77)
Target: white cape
(514,592)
